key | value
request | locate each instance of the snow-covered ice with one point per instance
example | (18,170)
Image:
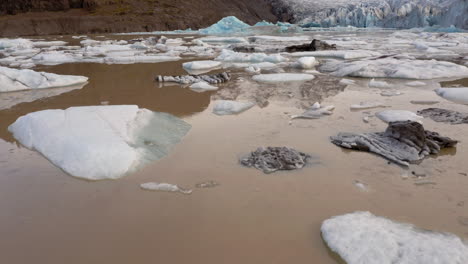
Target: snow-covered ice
(398,115)
(457,95)
(363,238)
(17,80)
(283,77)
(228,107)
(99,142)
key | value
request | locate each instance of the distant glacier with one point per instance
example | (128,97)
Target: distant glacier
(374,13)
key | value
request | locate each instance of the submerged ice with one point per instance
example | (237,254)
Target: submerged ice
(99,142)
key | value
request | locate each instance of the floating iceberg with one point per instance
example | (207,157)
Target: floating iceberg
(316,111)
(283,77)
(457,95)
(415,84)
(164,187)
(378,84)
(232,56)
(202,87)
(227,107)
(99,142)
(17,80)
(227,25)
(223,39)
(201,65)
(367,105)
(398,115)
(394,68)
(362,237)
(306,62)
(341,54)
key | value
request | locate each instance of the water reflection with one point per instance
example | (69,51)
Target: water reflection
(115,85)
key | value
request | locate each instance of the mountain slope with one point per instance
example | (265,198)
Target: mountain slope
(46,17)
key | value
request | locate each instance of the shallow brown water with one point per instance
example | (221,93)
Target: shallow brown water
(49,217)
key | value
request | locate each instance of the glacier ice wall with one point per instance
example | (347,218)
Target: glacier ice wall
(374,13)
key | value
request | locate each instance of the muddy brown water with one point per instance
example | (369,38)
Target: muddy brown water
(49,217)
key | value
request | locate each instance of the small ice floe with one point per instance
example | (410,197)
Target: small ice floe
(457,95)
(362,237)
(253,69)
(232,56)
(367,105)
(164,187)
(306,63)
(361,186)
(402,142)
(398,115)
(424,102)
(444,115)
(100,142)
(347,81)
(283,77)
(341,54)
(201,65)
(17,80)
(228,107)
(379,84)
(272,159)
(390,93)
(207,184)
(202,87)
(424,182)
(415,84)
(223,40)
(394,68)
(315,112)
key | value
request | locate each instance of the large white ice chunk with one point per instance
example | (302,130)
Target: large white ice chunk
(99,142)
(228,107)
(17,80)
(457,95)
(394,68)
(283,77)
(398,115)
(232,56)
(363,238)
(306,62)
